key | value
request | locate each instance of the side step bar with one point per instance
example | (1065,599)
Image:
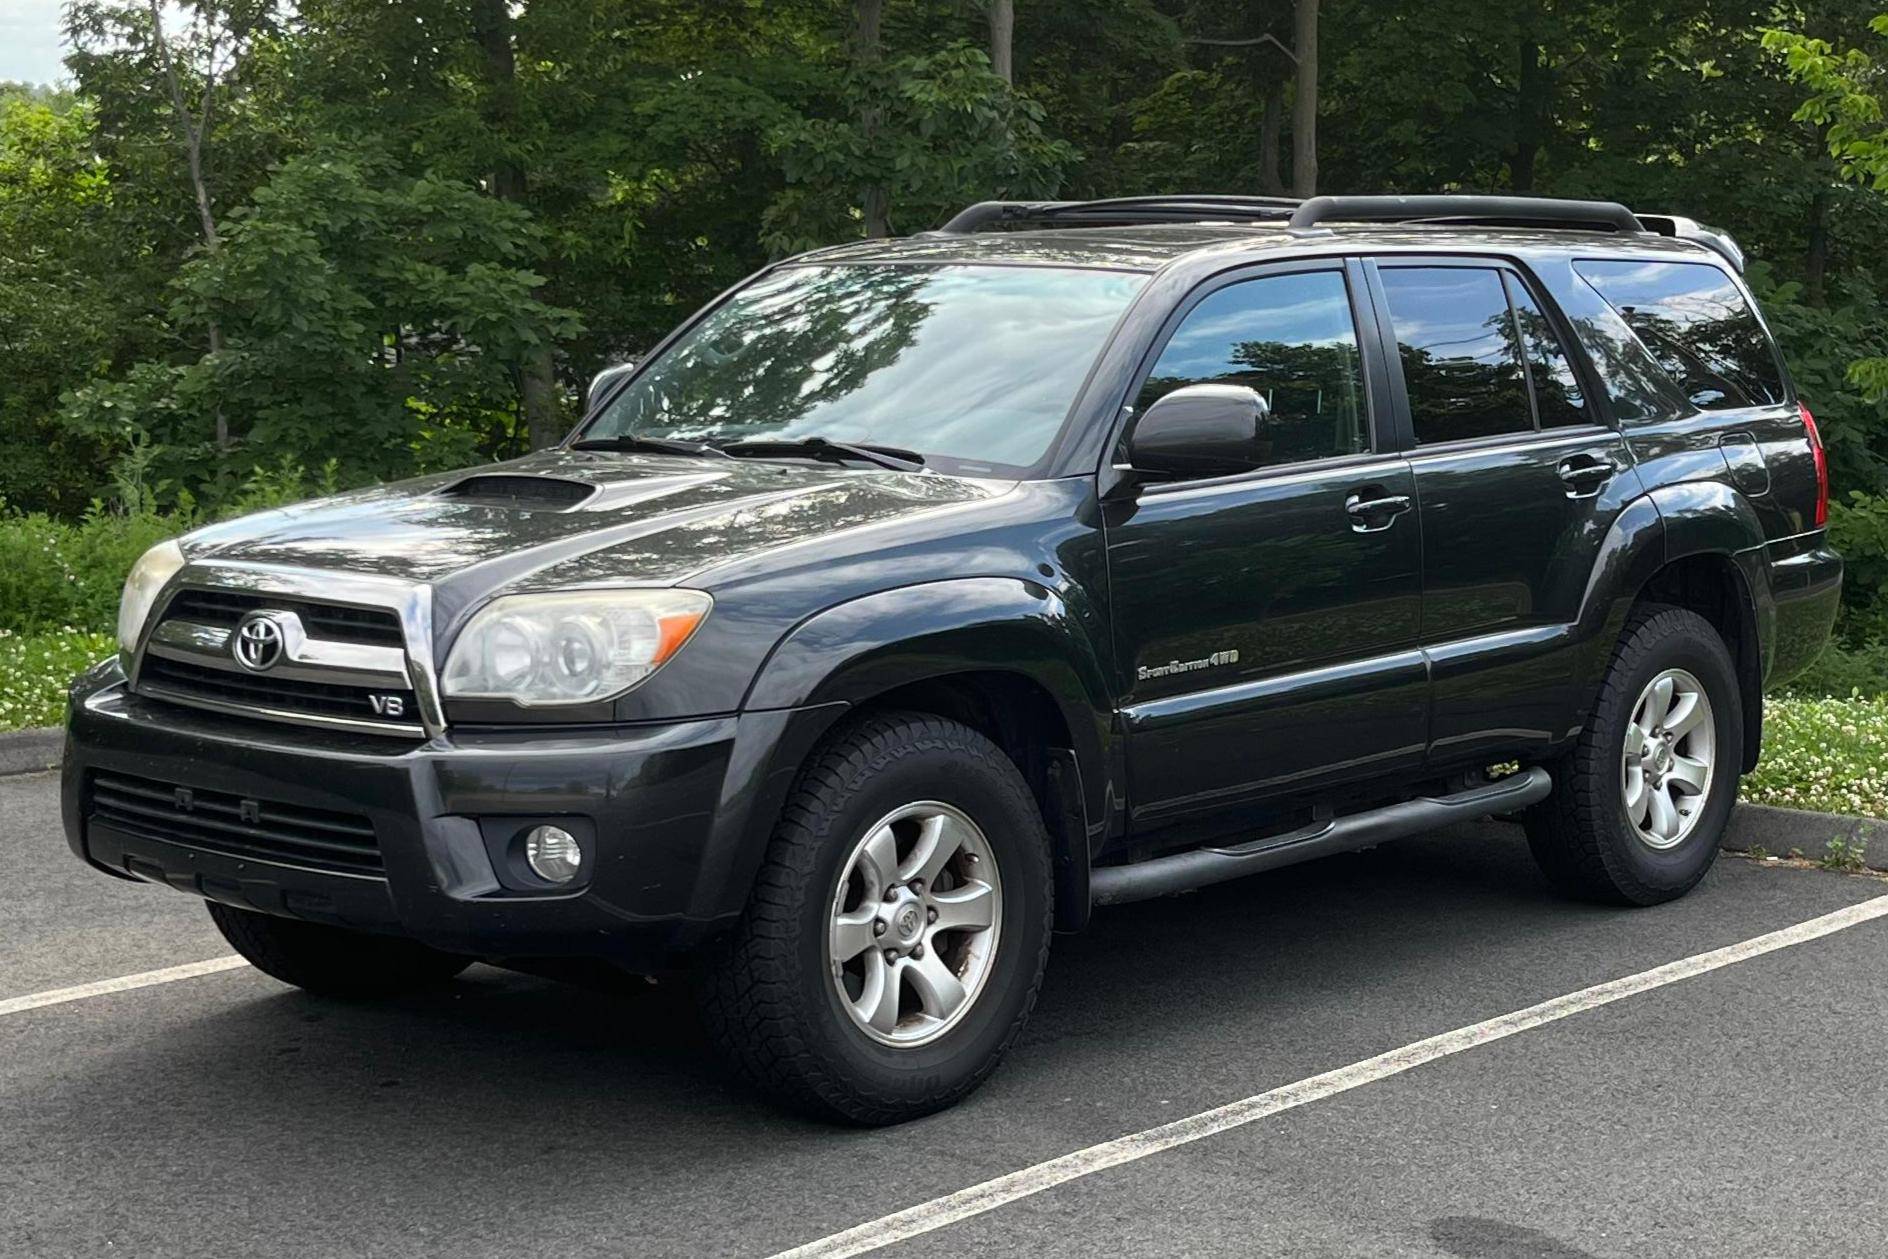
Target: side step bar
(1115,885)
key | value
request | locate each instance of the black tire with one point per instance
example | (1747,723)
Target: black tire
(1581,835)
(767,996)
(333,961)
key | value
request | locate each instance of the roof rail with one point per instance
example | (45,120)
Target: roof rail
(1680,228)
(1114,211)
(1484,211)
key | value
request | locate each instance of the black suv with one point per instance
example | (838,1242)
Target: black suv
(918,596)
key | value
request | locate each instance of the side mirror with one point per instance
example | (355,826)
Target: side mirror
(1200,431)
(601,382)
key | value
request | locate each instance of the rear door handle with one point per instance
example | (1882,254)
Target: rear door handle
(1585,475)
(1374,515)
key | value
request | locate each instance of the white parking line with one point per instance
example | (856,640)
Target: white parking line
(991,1194)
(123,983)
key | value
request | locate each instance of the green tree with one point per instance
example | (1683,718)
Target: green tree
(367,315)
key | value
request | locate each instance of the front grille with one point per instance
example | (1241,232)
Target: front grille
(340,622)
(236,826)
(278,694)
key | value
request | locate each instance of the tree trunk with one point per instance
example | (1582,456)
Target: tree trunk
(1816,257)
(190,132)
(1533,87)
(869,51)
(1304,106)
(1002,15)
(537,373)
(1270,183)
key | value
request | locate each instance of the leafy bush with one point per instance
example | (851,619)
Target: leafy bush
(1842,671)
(59,574)
(35,671)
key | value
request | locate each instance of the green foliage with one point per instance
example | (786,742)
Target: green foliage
(61,575)
(362,312)
(1845,856)
(415,201)
(942,123)
(35,670)
(1830,755)
(1842,670)
(1858,528)
(63,317)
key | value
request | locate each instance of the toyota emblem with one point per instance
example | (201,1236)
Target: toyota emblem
(258,643)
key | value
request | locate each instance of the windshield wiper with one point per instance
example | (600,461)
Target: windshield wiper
(896,458)
(662,445)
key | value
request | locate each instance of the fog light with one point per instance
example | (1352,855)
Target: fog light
(553,853)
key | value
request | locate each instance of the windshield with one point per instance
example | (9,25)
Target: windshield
(972,367)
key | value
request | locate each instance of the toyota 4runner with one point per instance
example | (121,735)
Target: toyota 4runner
(918,596)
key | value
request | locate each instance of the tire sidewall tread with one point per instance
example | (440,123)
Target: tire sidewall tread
(767,998)
(1580,835)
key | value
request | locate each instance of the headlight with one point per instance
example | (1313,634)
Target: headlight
(570,648)
(155,567)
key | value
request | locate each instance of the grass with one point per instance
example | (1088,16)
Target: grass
(1830,755)
(34,671)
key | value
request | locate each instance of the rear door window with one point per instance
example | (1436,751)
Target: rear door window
(1696,323)
(1558,398)
(1460,352)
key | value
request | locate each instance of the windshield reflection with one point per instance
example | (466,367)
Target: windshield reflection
(975,364)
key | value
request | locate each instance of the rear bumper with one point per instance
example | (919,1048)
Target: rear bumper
(1806,590)
(674,818)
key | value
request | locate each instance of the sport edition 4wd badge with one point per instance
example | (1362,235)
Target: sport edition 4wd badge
(1229,656)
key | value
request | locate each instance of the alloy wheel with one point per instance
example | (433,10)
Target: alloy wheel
(1668,759)
(914,924)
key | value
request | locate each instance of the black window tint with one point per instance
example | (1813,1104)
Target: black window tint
(1461,358)
(1558,399)
(1697,324)
(1628,374)
(1290,337)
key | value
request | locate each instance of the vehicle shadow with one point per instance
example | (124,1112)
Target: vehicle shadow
(446,1118)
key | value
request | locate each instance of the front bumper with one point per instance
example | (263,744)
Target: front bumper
(675,817)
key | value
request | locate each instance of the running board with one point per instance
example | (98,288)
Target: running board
(1115,885)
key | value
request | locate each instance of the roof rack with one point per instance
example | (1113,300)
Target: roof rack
(1680,228)
(1120,211)
(1459,209)
(1467,210)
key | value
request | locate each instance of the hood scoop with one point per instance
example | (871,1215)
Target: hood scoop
(526,493)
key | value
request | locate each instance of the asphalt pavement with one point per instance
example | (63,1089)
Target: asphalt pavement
(1736,1113)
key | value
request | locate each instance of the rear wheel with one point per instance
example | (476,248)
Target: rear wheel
(332,961)
(898,928)
(1640,805)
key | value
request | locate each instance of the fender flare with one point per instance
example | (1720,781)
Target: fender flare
(862,648)
(855,651)
(1710,518)
(1633,550)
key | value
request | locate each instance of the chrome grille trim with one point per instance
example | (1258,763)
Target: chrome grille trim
(304,659)
(412,669)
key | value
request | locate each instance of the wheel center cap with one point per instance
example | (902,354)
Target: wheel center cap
(908,921)
(1661,756)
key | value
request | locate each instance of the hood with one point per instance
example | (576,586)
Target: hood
(572,518)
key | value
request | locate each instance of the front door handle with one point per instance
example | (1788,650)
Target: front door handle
(1375,514)
(1585,475)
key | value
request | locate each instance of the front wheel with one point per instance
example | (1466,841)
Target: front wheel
(1640,805)
(898,928)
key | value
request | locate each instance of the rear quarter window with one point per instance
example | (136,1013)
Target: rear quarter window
(1695,322)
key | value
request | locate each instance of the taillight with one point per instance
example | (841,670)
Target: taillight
(1822,466)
